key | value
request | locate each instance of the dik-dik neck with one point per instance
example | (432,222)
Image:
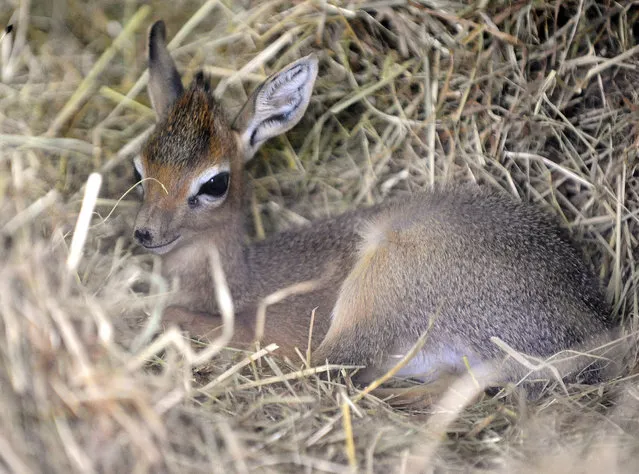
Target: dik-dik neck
(192,263)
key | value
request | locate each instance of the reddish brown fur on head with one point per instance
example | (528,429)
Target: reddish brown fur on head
(194,132)
(194,136)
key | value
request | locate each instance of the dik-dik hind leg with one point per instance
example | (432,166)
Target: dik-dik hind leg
(373,322)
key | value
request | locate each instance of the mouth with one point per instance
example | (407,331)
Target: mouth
(162,248)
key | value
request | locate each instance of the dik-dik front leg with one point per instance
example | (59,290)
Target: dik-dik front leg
(208,326)
(197,323)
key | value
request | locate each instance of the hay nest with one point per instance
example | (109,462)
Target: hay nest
(536,97)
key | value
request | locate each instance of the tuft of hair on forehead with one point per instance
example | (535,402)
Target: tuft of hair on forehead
(194,131)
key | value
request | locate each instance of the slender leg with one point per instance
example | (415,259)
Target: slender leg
(196,323)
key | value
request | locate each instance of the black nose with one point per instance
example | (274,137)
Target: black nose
(143,236)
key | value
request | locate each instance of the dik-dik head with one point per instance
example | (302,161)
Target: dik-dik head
(192,165)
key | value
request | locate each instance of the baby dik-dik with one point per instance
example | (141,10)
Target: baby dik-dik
(463,263)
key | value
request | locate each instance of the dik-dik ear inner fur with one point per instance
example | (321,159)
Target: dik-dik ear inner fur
(463,264)
(277,105)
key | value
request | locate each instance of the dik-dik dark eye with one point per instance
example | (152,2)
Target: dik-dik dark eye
(217,186)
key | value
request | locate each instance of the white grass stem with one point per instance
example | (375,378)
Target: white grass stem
(92,189)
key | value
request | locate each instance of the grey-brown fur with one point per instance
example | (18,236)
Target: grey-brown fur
(462,262)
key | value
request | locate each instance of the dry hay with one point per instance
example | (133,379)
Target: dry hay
(536,97)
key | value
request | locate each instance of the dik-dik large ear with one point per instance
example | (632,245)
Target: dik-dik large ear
(276,105)
(165,84)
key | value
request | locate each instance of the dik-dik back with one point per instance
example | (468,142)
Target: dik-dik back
(462,264)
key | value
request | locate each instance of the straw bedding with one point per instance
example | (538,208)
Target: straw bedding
(538,98)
